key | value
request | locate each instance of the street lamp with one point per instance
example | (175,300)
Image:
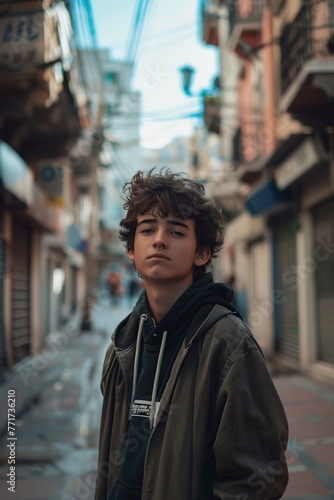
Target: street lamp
(187,74)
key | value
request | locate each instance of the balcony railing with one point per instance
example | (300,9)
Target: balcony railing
(309,36)
(249,143)
(244,11)
(210,16)
(212,106)
(253,139)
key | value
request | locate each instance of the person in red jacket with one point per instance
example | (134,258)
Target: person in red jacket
(190,411)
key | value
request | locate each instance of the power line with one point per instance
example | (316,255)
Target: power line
(172,31)
(133,41)
(178,38)
(152,37)
(135,35)
(125,166)
(91,22)
(186,32)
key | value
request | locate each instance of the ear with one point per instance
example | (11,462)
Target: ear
(130,254)
(202,256)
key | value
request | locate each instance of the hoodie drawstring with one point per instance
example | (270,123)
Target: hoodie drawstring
(156,379)
(143,318)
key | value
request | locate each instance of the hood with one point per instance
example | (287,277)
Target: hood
(197,301)
(202,292)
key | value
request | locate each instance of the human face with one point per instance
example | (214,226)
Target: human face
(165,249)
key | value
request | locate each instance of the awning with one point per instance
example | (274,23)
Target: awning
(15,175)
(267,198)
(284,149)
(244,228)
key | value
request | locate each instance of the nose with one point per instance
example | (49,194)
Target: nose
(160,240)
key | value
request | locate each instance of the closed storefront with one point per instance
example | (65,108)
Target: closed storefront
(21,257)
(259,304)
(3,358)
(285,284)
(323,218)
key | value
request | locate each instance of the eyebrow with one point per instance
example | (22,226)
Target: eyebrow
(169,222)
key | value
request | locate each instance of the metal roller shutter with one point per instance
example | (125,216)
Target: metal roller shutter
(285,277)
(3,359)
(323,216)
(21,292)
(259,292)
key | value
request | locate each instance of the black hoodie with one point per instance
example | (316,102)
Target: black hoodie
(157,348)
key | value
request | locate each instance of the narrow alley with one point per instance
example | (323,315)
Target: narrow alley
(58,402)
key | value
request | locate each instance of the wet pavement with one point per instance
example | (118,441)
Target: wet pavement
(58,404)
(309,405)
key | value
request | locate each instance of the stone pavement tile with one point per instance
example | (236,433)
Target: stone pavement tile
(308,430)
(34,481)
(44,371)
(309,405)
(313,409)
(302,485)
(79,475)
(323,453)
(294,395)
(293,462)
(58,429)
(77,487)
(33,489)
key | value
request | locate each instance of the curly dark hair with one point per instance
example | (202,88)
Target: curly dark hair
(164,192)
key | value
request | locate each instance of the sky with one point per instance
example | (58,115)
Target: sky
(170,40)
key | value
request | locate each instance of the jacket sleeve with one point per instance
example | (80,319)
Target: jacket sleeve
(107,365)
(252,433)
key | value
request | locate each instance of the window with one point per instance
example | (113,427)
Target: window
(108,109)
(111,78)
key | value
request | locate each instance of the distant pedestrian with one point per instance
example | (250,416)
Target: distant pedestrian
(190,411)
(114,286)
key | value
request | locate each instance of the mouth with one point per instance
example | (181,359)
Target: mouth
(158,256)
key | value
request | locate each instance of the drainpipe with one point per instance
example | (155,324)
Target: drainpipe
(270,80)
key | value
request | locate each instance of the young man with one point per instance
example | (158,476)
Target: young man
(190,411)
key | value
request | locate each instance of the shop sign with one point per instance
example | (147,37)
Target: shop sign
(22,37)
(305,157)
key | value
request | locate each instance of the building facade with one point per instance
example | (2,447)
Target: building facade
(279,247)
(48,155)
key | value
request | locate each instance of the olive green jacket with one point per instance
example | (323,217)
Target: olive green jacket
(221,431)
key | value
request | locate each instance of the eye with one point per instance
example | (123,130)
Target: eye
(146,231)
(177,233)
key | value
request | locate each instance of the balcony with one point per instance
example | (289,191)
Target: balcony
(210,17)
(211,112)
(245,20)
(249,146)
(31,52)
(42,102)
(307,68)
(276,6)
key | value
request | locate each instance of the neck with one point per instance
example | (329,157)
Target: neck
(162,297)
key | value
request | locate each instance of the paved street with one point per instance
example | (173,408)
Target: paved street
(309,406)
(57,425)
(58,404)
